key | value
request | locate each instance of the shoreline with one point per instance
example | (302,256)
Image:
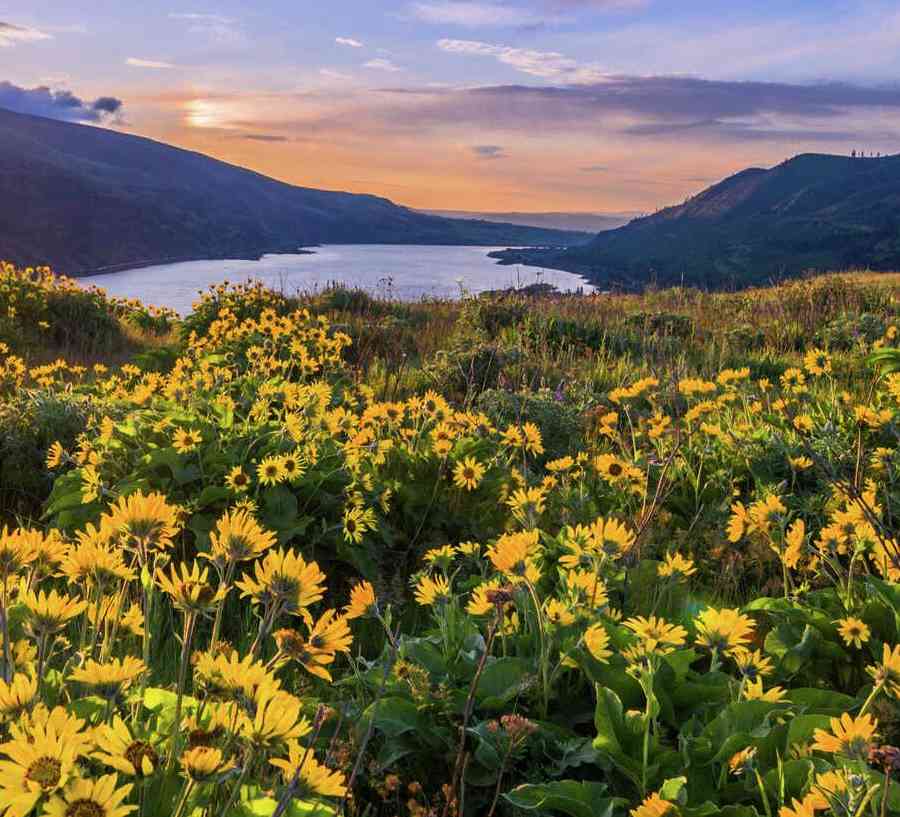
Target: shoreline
(179,259)
(496,253)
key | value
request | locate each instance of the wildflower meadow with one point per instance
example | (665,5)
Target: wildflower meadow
(327,555)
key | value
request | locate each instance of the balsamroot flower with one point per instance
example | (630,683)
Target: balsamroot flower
(724,631)
(849,736)
(119,750)
(313,779)
(17,696)
(98,797)
(363,603)
(202,763)
(284,580)
(238,537)
(432,590)
(189,589)
(144,523)
(109,679)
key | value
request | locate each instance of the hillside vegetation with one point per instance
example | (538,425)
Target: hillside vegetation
(593,556)
(812,212)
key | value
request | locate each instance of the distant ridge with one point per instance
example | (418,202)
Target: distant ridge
(812,212)
(588,222)
(81,198)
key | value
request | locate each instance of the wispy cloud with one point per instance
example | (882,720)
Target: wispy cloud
(338,76)
(219,29)
(202,18)
(58,104)
(137,62)
(604,5)
(348,41)
(474,14)
(489,151)
(544,64)
(13,35)
(382,64)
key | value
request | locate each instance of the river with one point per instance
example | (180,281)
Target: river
(402,272)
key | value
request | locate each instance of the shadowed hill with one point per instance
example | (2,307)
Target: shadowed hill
(812,212)
(79,198)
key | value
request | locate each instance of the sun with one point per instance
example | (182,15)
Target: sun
(209,113)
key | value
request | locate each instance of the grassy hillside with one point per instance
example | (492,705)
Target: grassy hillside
(80,198)
(813,212)
(593,556)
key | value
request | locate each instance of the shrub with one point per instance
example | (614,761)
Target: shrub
(30,421)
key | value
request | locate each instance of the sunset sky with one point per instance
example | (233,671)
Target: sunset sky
(528,105)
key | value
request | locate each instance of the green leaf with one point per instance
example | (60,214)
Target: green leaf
(890,595)
(801,728)
(797,776)
(279,507)
(572,797)
(163,701)
(887,361)
(87,707)
(680,661)
(502,680)
(821,701)
(674,790)
(359,557)
(182,470)
(265,807)
(66,493)
(739,811)
(613,736)
(613,676)
(393,716)
(487,753)
(212,495)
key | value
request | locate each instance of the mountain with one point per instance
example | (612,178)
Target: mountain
(80,198)
(812,212)
(589,222)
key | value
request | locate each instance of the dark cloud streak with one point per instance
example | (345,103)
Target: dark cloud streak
(489,151)
(264,137)
(651,107)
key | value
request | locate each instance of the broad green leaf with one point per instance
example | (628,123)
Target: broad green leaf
(797,776)
(801,728)
(393,716)
(821,701)
(674,790)
(572,797)
(613,738)
(265,807)
(212,494)
(162,700)
(502,680)
(279,507)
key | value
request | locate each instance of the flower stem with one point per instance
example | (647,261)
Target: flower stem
(762,793)
(235,792)
(875,690)
(185,794)
(190,621)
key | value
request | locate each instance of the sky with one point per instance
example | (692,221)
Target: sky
(486,105)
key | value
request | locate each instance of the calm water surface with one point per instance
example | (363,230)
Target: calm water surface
(407,273)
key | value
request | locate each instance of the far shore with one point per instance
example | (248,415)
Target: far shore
(130,265)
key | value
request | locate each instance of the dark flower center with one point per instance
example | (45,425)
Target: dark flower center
(45,771)
(136,753)
(85,808)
